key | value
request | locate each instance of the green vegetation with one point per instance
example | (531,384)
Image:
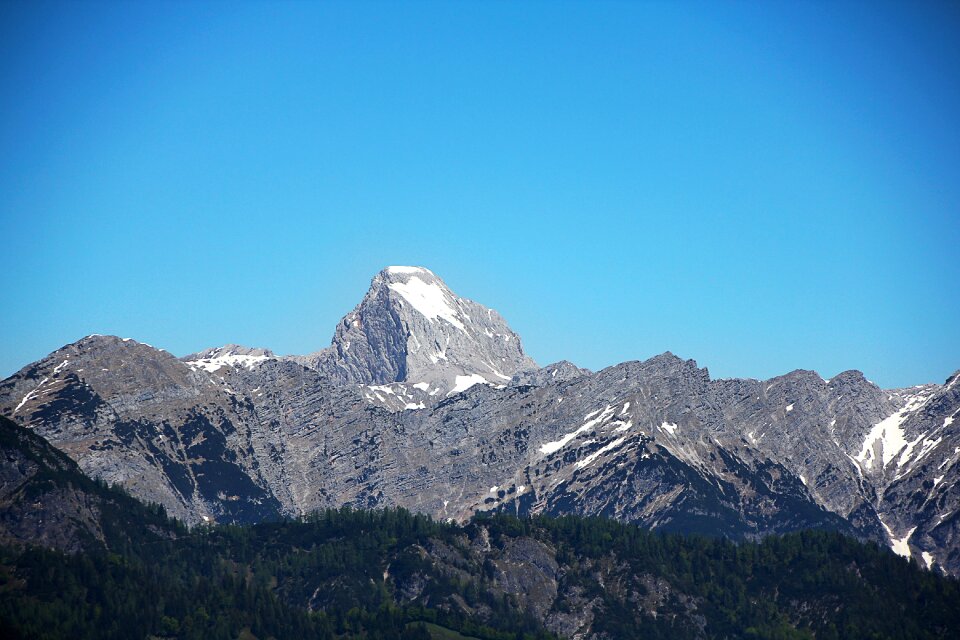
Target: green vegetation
(441,633)
(347,574)
(803,585)
(228,582)
(391,574)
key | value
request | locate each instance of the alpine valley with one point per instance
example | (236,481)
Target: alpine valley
(425,400)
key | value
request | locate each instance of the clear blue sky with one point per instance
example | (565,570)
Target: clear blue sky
(758,186)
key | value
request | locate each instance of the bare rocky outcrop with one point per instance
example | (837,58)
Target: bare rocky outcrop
(382,417)
(411,328)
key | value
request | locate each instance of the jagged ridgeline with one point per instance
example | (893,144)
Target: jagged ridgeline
(393,574)
(427,401)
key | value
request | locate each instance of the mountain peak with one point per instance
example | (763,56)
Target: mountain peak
(425,292)
(406,271)
(411,327)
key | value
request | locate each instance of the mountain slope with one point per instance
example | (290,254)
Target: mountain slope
(643,442)
(917,477)
(378,574)
(411,328)
(241,435)
(45,499)
(139,417)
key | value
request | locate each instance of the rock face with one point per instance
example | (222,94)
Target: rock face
(170,432)
(911,457)
(411,328)
(45,499)
(382,417)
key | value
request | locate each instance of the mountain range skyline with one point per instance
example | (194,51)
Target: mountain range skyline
(760,190)
(427,400)
(230,341)
(423,302)
(586,319)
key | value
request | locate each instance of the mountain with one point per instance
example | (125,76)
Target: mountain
(170,432)
(381,419)
(130,571)
(411,328)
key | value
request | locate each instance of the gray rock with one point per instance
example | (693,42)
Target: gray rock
(139,417)
(378,419)
(410,327)
(556,372)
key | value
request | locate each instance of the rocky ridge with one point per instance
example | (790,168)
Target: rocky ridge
(380,418)
(45,499)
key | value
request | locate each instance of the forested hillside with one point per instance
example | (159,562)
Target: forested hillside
(379,574)
(82,560)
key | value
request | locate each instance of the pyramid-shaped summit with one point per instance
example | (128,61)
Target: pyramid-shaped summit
(410,327)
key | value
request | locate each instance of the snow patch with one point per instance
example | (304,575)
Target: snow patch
(401,269)
(927,558)
(60,366)
(669,427)
(596,454)
(888,436)
(382,388)
(928,446)
(789,408)
(900,546)
(556,445)
(429,299)
(138,342)
(423,386)
(31,394)
(462,383)
(437,357)
(226,360)
(496,372)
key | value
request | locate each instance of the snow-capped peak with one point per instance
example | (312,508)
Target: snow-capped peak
(411,327)
(406,270)
(432,299)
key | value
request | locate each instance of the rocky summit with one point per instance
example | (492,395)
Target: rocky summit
(411,328)
(426,400)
